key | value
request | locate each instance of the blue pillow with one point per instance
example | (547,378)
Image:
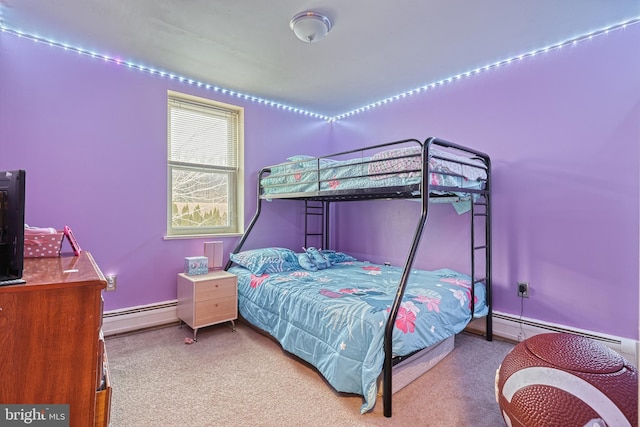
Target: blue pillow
(302,161)
(267,260)
(335,257)
(313,259)
(299,158)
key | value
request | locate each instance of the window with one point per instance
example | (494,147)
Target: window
(205,141)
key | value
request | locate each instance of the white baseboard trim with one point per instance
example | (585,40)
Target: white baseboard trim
(505,326)
(139,317)
(516,328)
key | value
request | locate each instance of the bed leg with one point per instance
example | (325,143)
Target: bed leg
(387,392)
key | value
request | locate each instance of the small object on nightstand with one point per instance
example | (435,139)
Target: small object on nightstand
(207,299)
(213,252)
(194,265)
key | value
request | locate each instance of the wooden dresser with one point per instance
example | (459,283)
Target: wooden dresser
(51,347)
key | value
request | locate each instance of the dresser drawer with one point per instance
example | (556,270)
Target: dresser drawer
(103,396)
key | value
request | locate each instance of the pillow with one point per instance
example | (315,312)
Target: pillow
(306,162)
(396,161)
(299,157)
(300,163)
(335,257)
(267,260)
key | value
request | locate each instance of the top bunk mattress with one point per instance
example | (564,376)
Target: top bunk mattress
(399,167)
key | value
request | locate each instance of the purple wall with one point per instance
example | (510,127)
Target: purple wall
(562,130)
(92,138)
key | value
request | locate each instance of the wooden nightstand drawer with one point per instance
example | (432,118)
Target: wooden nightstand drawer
(216,310)
(214,289)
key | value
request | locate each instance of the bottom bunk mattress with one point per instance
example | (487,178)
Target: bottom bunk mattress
(335,318)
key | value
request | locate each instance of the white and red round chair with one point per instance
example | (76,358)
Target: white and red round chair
(565,380)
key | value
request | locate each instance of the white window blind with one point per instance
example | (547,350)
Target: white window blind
(204,143)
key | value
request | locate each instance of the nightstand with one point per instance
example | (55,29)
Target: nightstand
(207,299)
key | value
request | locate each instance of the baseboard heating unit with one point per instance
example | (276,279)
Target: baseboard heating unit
(515,328)
(505,326)
(139,317)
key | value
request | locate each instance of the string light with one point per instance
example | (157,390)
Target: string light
(570,42)
(152,71)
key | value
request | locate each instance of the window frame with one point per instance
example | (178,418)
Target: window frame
(235,198)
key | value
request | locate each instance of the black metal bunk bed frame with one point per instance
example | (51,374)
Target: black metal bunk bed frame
(480,208)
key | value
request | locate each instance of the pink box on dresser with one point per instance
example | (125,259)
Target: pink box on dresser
(39,245)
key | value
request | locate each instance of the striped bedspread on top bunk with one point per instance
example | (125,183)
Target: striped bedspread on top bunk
(334,318)
(389,168)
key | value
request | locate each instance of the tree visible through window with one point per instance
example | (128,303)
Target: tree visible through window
(203,157)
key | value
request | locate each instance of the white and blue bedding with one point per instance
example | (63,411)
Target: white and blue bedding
(334,318)
(389,168)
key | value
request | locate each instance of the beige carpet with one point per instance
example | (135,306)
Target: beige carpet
(243,378)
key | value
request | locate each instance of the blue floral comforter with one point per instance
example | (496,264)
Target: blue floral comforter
(335,318)
(390,168)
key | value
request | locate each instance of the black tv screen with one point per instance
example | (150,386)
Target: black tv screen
(12,198)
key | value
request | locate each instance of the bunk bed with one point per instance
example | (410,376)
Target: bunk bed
(299,297)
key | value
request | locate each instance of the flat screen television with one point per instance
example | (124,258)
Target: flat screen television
(12,198)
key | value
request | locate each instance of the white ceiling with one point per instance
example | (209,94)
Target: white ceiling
(375,50)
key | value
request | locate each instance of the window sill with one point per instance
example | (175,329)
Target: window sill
(200,236)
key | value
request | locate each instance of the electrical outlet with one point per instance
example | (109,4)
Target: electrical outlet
(111,282)
(523,289)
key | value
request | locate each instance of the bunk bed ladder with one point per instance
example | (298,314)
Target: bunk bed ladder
(316,217)
(480,211)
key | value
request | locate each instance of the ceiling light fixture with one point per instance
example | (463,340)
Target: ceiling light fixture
(310,26)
